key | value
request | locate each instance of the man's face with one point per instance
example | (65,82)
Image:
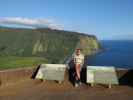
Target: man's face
(78,52)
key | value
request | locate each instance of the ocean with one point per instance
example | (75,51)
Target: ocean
(116,53)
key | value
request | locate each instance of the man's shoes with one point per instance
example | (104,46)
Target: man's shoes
(76,84)
(80,83)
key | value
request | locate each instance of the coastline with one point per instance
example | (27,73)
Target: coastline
(117,53)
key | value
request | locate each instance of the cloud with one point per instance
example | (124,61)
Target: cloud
(34,23)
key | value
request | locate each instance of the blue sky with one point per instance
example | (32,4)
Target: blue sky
(107,19)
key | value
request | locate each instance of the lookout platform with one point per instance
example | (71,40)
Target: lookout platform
(32,89)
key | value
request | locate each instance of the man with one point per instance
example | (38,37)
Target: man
(78,62)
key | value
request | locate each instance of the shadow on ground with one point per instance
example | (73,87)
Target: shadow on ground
(126,78)
(35,72)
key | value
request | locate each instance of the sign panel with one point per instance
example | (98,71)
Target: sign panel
(101,74)
(51,72)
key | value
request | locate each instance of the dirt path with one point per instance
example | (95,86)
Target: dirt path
(50,90)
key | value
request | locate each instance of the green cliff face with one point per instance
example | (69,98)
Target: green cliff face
(53,45)
(88,44)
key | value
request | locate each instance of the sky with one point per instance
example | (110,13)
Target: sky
(107,19)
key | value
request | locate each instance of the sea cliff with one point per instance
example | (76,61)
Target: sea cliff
(43,45)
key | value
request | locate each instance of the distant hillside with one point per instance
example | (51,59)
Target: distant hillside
(54,45)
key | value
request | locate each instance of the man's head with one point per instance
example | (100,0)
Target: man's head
(78,51)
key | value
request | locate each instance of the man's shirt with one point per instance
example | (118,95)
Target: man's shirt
(78,59)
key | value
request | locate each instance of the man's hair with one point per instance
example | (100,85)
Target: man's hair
(78,49)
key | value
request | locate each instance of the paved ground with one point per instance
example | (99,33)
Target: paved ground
(50,90)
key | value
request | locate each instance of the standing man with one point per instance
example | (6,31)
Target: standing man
(78,62)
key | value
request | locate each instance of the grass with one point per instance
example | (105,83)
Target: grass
(20,62)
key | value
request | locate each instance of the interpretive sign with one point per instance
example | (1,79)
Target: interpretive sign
(101,75)
(51,72)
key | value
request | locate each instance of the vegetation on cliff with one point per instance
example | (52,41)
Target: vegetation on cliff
(41,46)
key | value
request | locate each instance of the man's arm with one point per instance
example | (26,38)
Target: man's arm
(83,60)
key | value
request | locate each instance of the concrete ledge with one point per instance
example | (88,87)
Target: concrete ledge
(11,76)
